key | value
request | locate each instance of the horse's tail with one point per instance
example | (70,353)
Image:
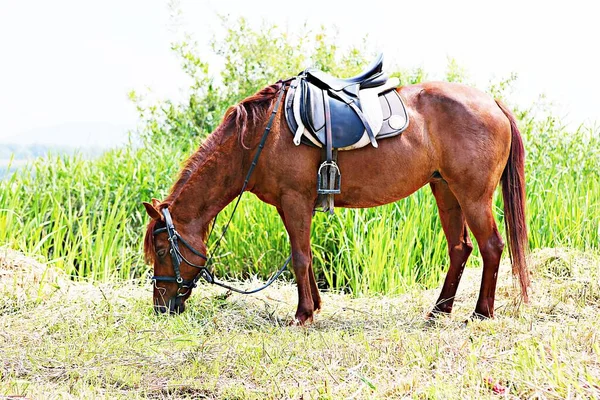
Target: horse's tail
(513,193)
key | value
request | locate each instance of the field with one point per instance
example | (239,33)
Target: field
(65,339)
(78,322)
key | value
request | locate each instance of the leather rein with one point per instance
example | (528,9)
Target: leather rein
(184,286)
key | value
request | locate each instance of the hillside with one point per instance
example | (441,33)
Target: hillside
(60,339)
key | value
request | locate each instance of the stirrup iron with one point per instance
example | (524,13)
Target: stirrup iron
(328,178)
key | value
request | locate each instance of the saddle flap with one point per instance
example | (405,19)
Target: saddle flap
(346,126)
(312,108)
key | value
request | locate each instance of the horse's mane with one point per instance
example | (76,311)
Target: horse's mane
(241,118)
(149,250)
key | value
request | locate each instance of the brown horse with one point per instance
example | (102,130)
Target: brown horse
(460,141)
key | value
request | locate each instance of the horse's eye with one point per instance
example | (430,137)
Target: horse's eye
(161,252)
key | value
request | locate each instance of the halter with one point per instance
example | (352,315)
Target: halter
(184,286)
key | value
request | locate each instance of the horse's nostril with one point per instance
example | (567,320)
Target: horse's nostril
(179,308)
(160,309)
(178,305)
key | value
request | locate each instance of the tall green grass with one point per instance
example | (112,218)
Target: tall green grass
(563,183)
(85,216)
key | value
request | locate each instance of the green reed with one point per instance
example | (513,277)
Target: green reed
(85,216)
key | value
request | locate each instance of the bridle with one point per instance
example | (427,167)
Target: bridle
(177,258)
(184,286)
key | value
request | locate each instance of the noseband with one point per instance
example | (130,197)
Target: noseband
(184,286)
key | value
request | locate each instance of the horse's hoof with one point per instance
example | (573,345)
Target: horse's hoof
(477,317)
(301,321)
(435,313)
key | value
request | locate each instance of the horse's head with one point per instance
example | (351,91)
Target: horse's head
(177,261)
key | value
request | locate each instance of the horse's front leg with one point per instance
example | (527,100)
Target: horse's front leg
(297,216)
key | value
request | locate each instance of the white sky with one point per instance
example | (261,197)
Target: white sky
(64,61)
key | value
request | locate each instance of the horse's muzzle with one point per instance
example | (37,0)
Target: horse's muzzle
(175,305)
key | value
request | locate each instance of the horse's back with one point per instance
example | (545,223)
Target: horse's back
(468,133)
(459,110)
(455,131)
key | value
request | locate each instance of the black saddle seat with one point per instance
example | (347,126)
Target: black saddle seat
(372,76)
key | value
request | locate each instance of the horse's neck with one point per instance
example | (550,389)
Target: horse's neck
(210,188)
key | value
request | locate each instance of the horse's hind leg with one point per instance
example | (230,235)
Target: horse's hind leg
(459,244)
(481,222)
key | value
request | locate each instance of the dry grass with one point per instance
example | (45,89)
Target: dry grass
(60,339)
(19,271)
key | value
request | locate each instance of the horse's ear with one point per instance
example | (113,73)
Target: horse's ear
(155,203)
(152,211)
